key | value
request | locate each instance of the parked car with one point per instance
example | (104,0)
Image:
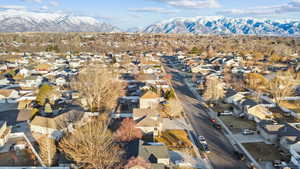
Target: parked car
(213,120)
(248,132)
(204,148)
(217,126)
(239,156)
(202,139)
(226,113)
(279,164)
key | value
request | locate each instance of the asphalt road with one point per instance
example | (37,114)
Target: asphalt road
(221,155)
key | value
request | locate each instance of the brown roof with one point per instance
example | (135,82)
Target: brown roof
(23,104)
(44,122)
(273,128)
(148,122)
(143,112)
(48,122)
(43,66)
(150,95)
(24,115)
(6,92)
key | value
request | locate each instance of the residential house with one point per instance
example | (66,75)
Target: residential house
(4,80)
(232,96)
(60,81)
(4,133)
(290,137)
(24,72)
(43,68)
(258,113)
(148,120)
(147,78)
(25,115)
(149,100)
(250,108)
(8,95)
(269,131)
(286,136)
(154,153)
(3,67)
(47,126)
(32,81)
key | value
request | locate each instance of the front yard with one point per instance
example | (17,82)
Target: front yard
(262,151)
(221,107)
(237,124)
(18,158)
(177,140)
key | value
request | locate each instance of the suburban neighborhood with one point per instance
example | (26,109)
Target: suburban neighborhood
(141,109)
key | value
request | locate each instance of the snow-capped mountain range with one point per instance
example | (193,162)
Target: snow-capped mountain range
(226,25)
(27,21)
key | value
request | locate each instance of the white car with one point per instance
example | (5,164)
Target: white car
(248,132)
(202,140)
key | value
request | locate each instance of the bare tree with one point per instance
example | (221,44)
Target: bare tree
(128,131)
(72,117)
(98,87)
(91,146)
(214,89)
(282,85)
(47,150)
(137,161)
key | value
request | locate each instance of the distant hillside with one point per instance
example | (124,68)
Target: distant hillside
(24,21)
(227,25)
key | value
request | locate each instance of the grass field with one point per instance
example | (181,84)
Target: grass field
(237,123)
(262,151)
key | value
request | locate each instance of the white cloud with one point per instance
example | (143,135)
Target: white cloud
(54,3)
(12,7)
(292,6)
(152,10)
(192,3)
(37,1)
(44,7)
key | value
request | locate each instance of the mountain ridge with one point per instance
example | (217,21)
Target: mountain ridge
(226,25)
(26,21)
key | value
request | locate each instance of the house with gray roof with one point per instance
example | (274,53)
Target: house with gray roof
(154,153)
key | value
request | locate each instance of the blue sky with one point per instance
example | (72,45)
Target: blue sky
(139,13)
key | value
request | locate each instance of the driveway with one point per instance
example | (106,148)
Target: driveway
(184,158)
(177,123)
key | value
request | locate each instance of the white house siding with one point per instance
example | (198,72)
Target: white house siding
(148,103)
(164,161)
(295,147)
(147,129)
(268,137)
(47,131)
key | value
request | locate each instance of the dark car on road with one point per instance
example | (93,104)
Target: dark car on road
(215,124)
(239,156)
